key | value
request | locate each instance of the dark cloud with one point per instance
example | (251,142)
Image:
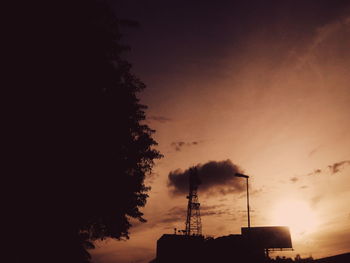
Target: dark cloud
(332,168)
(160,119)
(294,179)
(178,146)
(316,171)
(336,167)
(216,178)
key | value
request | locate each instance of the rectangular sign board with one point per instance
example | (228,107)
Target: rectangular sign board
(269,236)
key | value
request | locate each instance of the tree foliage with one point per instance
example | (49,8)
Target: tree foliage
(86,151)
(114,147)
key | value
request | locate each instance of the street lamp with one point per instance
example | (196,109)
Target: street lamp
(247,177)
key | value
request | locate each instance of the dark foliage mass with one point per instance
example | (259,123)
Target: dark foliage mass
(297,259)
(82,150)
(216,178)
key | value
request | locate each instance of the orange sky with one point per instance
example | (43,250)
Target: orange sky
(280,111)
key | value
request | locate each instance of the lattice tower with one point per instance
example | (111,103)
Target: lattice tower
(193,221)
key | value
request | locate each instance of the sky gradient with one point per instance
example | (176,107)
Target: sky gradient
(265,84)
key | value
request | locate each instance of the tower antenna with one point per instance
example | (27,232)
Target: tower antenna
(193,221)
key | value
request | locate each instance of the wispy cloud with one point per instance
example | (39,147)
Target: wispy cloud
(321,35)
(294,179)
(332,168)
(176,216)
(161,119)
(179,145)
(150,178)
(336,167)
(315,200)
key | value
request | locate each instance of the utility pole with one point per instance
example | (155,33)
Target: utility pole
(248,209)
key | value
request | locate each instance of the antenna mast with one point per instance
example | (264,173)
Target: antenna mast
(193,221)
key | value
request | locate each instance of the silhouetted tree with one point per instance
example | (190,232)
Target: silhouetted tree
(297,258)
(84,150)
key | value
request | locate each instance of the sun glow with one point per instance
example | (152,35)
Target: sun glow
(296,214)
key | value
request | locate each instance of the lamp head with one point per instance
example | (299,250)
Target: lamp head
(241,175)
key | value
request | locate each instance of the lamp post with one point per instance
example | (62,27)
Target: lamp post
(246,177)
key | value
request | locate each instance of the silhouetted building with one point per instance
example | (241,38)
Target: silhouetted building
(250,246)
(179,248)
(342,258)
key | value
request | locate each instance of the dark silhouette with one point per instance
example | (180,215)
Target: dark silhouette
(341,258)
(232,248)
(250,247)
(297,258)
(82,152)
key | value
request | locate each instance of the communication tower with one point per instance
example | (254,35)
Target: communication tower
(193,221)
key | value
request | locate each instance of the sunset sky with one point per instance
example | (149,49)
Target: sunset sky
(265,84)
